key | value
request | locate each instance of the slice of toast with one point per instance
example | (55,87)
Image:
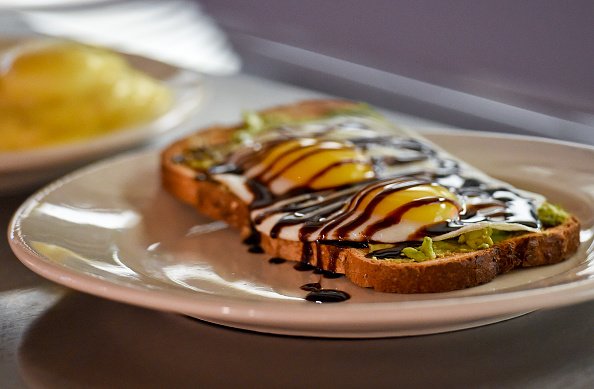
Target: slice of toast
(194,185)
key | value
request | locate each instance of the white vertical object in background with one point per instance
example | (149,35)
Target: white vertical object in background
(177,32)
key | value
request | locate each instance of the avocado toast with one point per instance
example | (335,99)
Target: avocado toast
(333,184)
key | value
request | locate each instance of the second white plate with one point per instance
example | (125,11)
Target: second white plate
(110,230)
(23,169)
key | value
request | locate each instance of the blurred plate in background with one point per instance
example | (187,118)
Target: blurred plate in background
(22,170)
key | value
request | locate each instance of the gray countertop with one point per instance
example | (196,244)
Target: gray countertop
(53,337)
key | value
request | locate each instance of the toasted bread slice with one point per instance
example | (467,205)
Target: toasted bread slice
(452,272)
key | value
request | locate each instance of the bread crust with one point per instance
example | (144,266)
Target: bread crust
(453,272)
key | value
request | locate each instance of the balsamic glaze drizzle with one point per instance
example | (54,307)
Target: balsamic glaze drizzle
(331,213)
(253,241)
(391,252)
(317,293)
(327,296)
(256,249)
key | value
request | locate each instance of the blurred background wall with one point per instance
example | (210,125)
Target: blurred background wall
(508,66)
(530,63)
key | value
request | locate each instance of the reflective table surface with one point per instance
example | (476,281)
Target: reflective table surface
(53,337)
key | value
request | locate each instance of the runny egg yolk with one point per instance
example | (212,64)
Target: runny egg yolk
(424,204)
(313,164)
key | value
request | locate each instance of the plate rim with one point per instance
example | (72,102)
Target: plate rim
(267,311)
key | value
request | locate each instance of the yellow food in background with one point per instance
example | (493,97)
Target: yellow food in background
(55,92)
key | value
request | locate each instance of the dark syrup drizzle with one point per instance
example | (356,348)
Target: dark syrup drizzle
(303,266)
(317,293)
(392,252)
(324,211)
(327,273)
(311,287)
(256,249)
(253,242)
(327,296)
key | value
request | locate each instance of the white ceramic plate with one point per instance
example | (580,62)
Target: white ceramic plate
(21,170)
(110,230)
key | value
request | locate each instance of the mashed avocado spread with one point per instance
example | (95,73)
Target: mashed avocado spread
(256,123)
(430,249)
(549,214)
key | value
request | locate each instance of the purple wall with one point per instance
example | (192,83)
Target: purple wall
(536,54)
